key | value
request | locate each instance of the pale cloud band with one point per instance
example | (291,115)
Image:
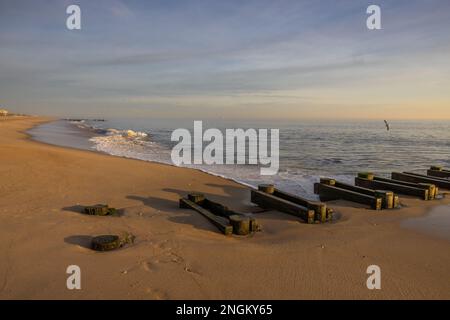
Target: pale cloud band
(286,59)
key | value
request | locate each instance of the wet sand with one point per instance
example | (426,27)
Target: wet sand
(435,223)
(177,253)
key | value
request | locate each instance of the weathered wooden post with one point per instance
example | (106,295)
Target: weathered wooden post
(267,188)
(328,181)
(396,203)
(196,197)
(432,189)
(366,175)
(387,198)
(241,224)
(330,214)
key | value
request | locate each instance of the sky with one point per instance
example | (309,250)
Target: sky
(260,59)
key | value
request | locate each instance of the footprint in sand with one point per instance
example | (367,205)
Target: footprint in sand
(157,294)
(149,266)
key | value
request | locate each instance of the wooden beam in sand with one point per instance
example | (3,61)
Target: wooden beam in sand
(398,188)
(268,201)
(100,210)
(330,192)
(320,208)
(438,174)
(418,178)
(389,199)
(223,211)
(432,189)
(221,223)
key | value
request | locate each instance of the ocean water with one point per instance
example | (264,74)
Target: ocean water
(308,149)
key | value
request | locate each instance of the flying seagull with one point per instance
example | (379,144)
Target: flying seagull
(387,125)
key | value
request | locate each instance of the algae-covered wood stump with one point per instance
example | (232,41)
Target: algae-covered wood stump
(106,242)
(111,242)
(100,210)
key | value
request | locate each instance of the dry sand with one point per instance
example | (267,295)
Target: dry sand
(180,255)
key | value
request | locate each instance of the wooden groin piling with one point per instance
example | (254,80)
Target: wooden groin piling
(389,199)
(221,223)
(327,190)
(322,213)
(418,178)
(269,201)
(438,173)
(226,220)
(432,189)
(394,187)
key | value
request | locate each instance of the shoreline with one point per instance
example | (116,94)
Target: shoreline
(30,137)
(180,255)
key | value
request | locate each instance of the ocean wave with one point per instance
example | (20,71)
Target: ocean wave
(130,144)
(127,133)
(138,145)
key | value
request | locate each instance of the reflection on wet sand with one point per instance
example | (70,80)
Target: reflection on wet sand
(436,222)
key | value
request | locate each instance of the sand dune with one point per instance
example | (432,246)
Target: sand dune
(180,255)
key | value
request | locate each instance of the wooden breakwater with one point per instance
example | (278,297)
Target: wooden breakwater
(268,197)
(418,178)
(438,172)
(226,220)
(432,189)
(374,191)
(389,199)
(328,190)
(414,191)
(378,192)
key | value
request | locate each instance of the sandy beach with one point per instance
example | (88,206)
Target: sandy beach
(178,254)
